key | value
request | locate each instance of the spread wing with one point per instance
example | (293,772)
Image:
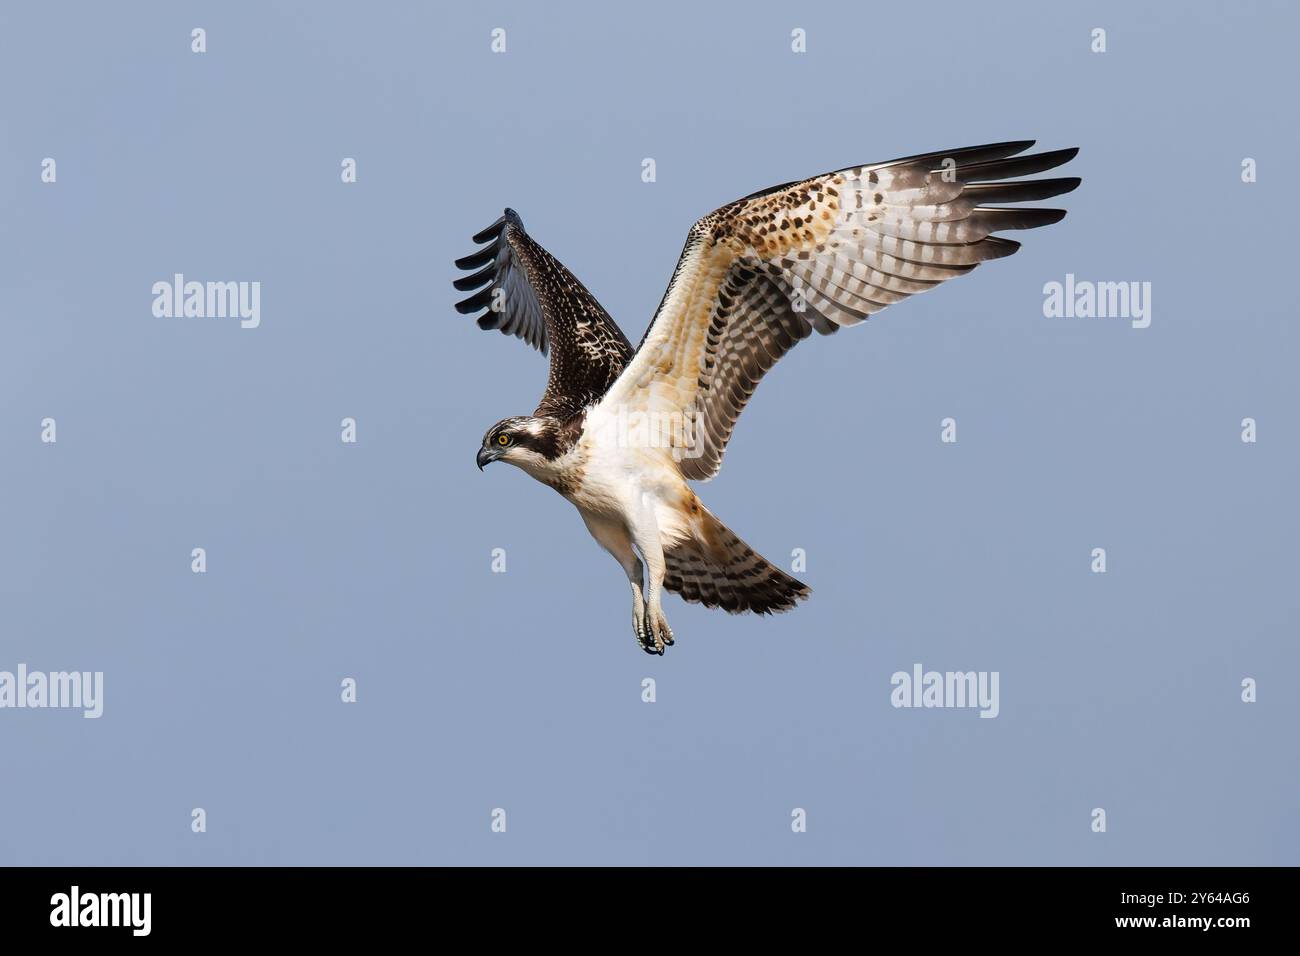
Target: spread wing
(528,293)
(762,273)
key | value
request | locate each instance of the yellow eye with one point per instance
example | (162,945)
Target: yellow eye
(503,439)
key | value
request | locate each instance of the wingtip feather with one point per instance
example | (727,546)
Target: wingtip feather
(471,282)
(491,232)
(476,259)
(475,302)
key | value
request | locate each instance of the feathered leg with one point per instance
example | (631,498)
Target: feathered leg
(645,535)
(614,537)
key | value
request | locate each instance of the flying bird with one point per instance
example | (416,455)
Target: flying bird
(620,431)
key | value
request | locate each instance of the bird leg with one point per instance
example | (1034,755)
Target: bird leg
(639,625)
(655,633)
(615,538)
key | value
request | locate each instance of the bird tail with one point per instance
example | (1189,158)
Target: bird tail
(715,568)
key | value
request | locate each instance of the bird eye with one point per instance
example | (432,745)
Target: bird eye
(503,439)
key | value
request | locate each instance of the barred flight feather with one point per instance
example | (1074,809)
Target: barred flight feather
(820,254)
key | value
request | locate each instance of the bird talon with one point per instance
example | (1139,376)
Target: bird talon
(663,634)
(644,635)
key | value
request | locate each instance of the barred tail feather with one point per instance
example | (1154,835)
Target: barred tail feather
(717,569)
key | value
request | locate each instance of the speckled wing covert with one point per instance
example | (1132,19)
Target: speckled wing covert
(528,293)
(762,273)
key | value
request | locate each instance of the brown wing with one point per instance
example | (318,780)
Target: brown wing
(528,293)
(760,274)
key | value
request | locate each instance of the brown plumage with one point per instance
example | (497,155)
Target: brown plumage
(717,569)
(619,433)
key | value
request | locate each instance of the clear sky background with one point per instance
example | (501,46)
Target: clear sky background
(523,690)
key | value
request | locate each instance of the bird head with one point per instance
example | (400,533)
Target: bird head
(524,441)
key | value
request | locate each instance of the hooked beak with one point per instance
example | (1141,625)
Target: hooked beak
(485,456)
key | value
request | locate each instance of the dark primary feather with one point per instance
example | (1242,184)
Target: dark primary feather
(1021,192)
(526,292)
(477,259)
(1016,166)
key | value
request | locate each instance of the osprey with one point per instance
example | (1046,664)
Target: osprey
(620,431)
